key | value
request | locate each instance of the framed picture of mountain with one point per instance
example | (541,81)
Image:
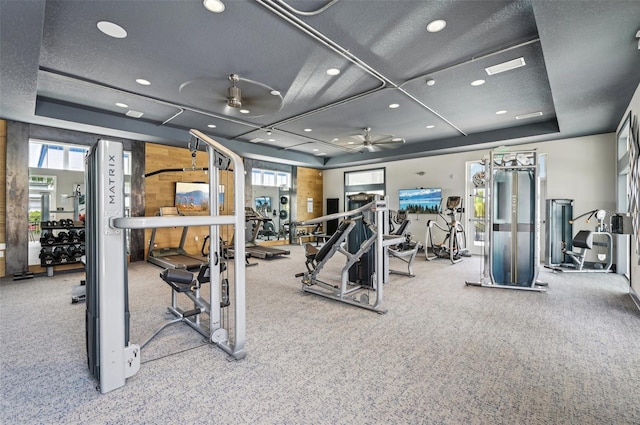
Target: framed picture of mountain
(192,197)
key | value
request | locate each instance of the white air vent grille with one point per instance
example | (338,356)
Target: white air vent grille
(505,66)
(134,114)
(531,115)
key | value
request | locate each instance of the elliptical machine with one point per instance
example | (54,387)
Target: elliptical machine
(453,246)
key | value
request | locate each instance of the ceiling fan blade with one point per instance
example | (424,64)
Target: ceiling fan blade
(394,141)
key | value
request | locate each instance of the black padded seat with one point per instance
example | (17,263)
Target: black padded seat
(583,239)
(179,280)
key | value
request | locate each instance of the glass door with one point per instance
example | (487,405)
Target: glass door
(475,207)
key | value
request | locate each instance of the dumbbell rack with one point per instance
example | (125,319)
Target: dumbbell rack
(62,242)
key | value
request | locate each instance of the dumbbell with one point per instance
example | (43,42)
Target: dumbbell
(81,235)
(74,252)
(46,257)
(63,237)
(73,236)
(60,254)
(47,238)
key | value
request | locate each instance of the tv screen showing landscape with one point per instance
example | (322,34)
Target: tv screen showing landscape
(192,197)
(420,201)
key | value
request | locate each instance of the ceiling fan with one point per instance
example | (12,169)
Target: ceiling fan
(233,95)
(373,145)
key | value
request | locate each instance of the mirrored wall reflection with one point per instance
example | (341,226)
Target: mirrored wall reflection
(268,210)
(57,190)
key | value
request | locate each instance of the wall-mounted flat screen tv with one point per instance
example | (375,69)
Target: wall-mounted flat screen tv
(421,201)
(263,204)
(192,197)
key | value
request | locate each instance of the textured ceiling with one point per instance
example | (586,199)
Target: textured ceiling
(581,69)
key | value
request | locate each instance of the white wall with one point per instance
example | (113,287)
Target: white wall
(582,169)
(634,107)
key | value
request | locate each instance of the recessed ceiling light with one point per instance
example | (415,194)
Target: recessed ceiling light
(272,140)
(316,150)
(320,153)
(394,106)
(397,139)
(275,93)
(430,126)
(256,140)
(431,82)
(211,126)
(143,82)
(478,83)
(335,140)
(437,25)
(505,66)
(531,115)
(215,6)
(111,29)
(501,112)
(333,71)
(244,111)
(350,143)
(122,105)
(308,130)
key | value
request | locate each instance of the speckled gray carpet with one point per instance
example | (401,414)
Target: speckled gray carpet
(443,354)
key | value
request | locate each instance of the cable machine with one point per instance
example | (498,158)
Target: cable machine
(511,253)
(111,356)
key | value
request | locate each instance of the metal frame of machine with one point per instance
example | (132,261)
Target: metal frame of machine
(111,356)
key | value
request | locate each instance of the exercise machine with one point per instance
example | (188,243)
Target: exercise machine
(111,356)
(254,249)
(558,231)
(511,255)
(172,257)
(406,250)
(355,287)
(454,245)
(586,242)
(188,284)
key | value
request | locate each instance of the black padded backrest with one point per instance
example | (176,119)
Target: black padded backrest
(583,239)
(327,246)
(402,228)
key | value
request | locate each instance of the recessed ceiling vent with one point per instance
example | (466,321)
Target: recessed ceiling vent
(134,114)
(531,115)
(505,66)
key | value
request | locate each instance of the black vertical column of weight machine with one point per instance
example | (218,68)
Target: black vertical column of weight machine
(332,208)
(558,230)
(361,271)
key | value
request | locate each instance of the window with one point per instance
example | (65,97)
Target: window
(367,181)
(261,177)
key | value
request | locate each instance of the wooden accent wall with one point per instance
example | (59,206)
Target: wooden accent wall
(309,185)
(160,192)
(3,198)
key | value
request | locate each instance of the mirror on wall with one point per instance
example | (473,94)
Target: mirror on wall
(270,202)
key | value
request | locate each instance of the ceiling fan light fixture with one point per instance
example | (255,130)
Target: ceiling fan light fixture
(234,98)
(215,6)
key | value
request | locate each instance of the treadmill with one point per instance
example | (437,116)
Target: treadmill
(252,248)
(173,257)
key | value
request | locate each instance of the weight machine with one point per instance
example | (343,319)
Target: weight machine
(358,280)
(111,356)
(454,245)
(600,242)
(511,249)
